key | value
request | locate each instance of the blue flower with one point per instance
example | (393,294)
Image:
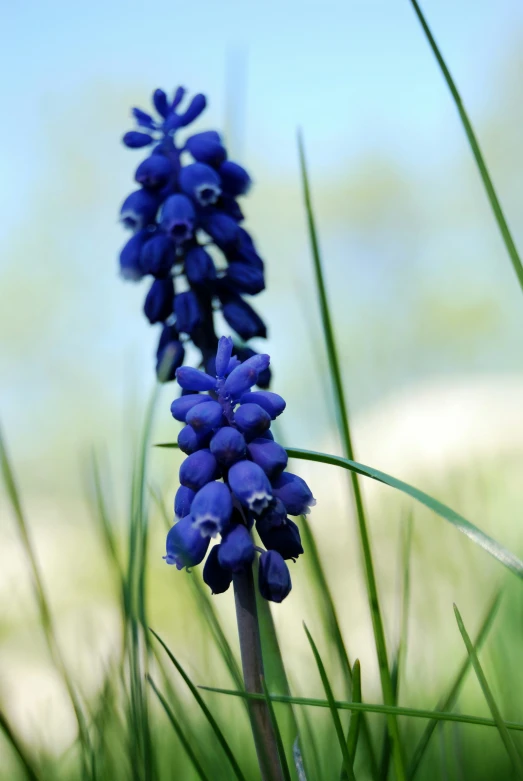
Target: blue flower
(159,302)
(185,545)
(178,203)
(274,579)
(234,473)
(170,354)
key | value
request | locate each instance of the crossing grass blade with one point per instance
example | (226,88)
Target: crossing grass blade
(328,613)
(277,733)
(356,717)
(476,149)
(365,707)
(447,702)
(506,737)
(492,547)
(179,732)
(208,715)
(347,763)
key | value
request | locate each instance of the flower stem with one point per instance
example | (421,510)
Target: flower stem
(252,664)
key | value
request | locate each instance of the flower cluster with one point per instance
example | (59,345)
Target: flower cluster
(234,477)
(187,205)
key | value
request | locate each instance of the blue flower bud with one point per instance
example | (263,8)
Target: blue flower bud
(228,446)
(159,302)
(244,251)
(239,380)
(294,493)
(180,407)
(231,207)
(158,255)
(187,311)
(267,435)
(271,402)
(252,419)
(223,355)
(273,515)
(237,549)
(189,440)
(222,228)
(206,148)
(274,579)
(250,484)
(198,469)
(196,106)
(135,140)
(130,256)
(154,172)
(139,210)
(183,501)
(211,508)
(259,361)
(160,102)
(214,575)
(233,363)
(245,279)
(284,538)
(269,455)
(242,318)
(185,545)
(204,417)
(143,119)
(177,218)
(264,377)
(193,380)
(199,266)
(178,97)
(169,355)
(201,182)
(235,179)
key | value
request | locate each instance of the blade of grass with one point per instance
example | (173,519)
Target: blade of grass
(356,718)
(332,628)
(447,702)
(208,715)
(476,150)
(46,618)
(18,749)
(279,741)
(347,764)
(496,550)
(496,715)
(365,707)
(181,737)
(344,429)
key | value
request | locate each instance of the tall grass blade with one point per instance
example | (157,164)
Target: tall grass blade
(208,715)
(496,715)
(356,718)
(496,550)
(177,728)
(476,150)
(447,702)
(18,749)
(279,741)
(347,763)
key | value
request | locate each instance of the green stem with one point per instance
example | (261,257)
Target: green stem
(476,150)
(343,421)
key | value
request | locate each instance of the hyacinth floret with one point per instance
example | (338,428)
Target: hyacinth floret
(187,235)
(234,477)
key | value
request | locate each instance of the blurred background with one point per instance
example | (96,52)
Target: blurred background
(428,312)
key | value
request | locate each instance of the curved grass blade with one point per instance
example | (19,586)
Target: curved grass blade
(476,150)
(447,702)
(356,717)
(279,741)
(496,550)
(347,763)
(500,724)
(365,707)
(17,747)
(181,737)
(207,713)
(346,438)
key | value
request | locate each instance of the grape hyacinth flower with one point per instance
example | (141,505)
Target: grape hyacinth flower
(234,477)
(185,206)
